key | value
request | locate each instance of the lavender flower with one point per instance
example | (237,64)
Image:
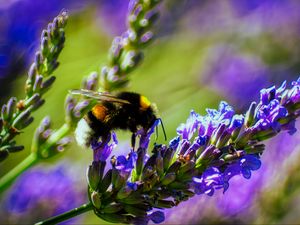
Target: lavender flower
(209,151)
(16,114)
(125,53)
(40,193)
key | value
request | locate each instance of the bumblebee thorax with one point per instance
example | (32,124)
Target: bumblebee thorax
(144,103)
(99,111)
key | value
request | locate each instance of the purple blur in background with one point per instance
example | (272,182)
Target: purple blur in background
(43,192)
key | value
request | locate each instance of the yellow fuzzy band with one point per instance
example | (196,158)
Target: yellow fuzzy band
(144,102)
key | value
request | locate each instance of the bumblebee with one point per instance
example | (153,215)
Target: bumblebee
(125,111)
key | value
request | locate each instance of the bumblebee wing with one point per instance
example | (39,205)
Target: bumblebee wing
(101,96)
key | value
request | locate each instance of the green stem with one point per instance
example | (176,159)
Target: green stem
(67,215)
(8,178)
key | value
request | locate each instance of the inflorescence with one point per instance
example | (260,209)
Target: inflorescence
(208,151)
(17,114)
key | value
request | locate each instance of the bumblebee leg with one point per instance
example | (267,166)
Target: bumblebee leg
(133,136)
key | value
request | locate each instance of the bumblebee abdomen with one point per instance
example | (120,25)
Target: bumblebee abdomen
(92,125)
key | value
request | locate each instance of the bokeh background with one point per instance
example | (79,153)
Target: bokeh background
(205,51)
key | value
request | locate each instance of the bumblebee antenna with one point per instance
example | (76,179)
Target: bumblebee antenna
(163,128)
(156,133)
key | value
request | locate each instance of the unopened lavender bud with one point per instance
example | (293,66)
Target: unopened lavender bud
(93,175)
(27,122)
(64,142)
(106,181)
(46,84)
(144,22)
(141,152)
(111,76)
(53,66)
(37,83)
(146,38)
(217,162)
(37,104)
(184,146)
(147,172)
(124,192)
(63,18)
(250,115)
(186,167)
(45,46)
(96,200)
(116,49)
(159,164)
(32,100)
(167,157)
(168,178)
(232,157)
(264,135)
(244,137)
(176,185)
(3,155)
(152,16)
(46,134)
(15,148)
(32,73)
(252,149)
(116,218)
(1,125)
(39,61)
(112,208)
(4,112)
(44,34)
(135,210)
(174,167)
(131,59)
(46,123)
(92,81)
(55,24)
(23,116)
(117,179)
(134,14)
(11,107)
(217,134)
(80,108)
(224,138)
(207,154)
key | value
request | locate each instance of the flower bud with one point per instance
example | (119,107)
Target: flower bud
(46,84)
(168,178)
(37,84)
(112,208)
(11,107)
(135,210)
(93,175)
(3,155)
(250,115)
(22,117)
(174,167)
(32,100)
(105,182)
(96,199)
